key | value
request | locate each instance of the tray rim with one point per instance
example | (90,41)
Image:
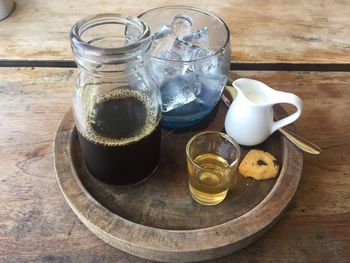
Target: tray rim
(224,238)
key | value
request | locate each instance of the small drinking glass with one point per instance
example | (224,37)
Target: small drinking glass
(212,159)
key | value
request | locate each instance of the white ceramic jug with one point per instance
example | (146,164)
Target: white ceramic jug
(249,119)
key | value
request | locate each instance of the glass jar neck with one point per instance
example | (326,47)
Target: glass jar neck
(109,43)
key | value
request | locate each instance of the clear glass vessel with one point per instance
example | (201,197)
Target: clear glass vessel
(190,60)
(116,103)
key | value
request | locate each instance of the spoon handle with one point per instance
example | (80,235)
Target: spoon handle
(300,142)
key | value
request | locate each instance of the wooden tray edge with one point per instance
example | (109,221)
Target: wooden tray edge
(224,239)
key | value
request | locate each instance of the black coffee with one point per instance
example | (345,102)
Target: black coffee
(122,141)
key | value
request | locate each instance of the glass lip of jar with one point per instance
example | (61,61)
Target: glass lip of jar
(216,53)
(106,18)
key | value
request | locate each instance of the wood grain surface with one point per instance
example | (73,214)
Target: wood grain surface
(37,225)
(261,32)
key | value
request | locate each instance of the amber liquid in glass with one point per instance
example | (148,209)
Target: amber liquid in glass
(209,178)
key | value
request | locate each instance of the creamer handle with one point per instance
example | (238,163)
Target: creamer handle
(289,98)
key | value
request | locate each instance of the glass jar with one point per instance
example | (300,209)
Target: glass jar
(190,59)
(116,104)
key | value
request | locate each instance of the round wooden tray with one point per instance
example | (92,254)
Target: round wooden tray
(158,219)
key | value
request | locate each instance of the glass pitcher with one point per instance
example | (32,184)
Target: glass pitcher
(116,104)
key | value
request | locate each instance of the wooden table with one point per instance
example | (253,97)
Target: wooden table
(274,31)
(37,225)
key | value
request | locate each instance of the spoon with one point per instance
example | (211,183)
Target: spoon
(298,141)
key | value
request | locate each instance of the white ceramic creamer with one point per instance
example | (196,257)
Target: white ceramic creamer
(249,119)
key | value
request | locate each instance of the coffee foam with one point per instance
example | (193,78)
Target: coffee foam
(151,122)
